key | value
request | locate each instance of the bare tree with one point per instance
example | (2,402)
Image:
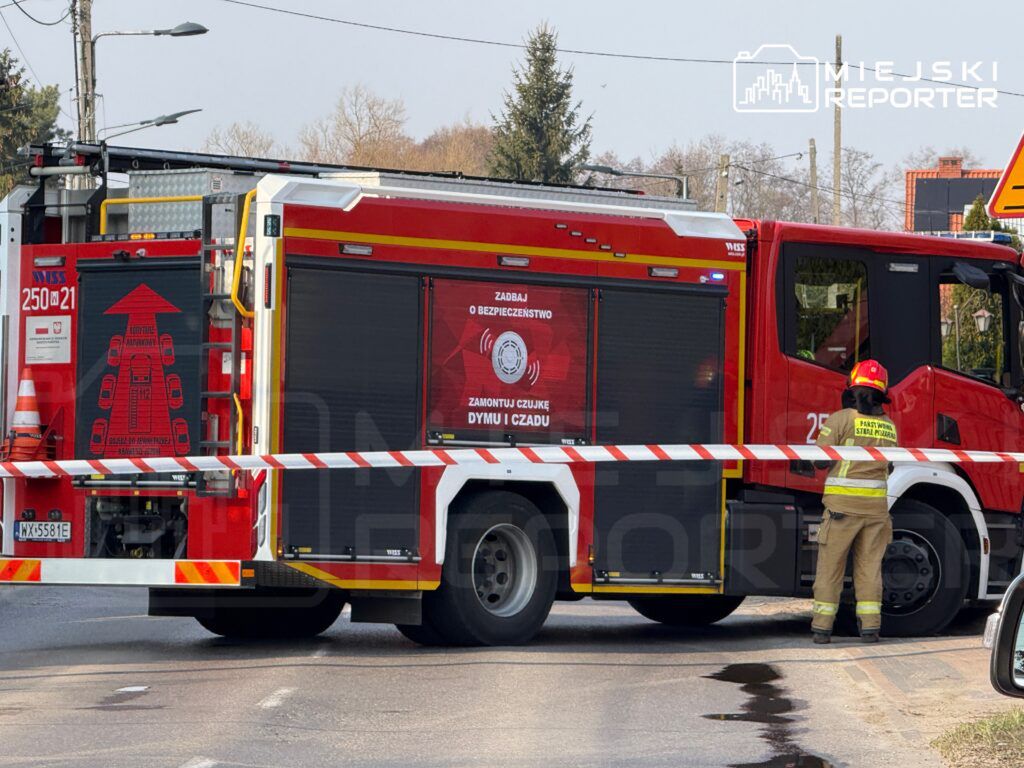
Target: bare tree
(462,147)
(364,129)
(871,194)
(244,139)
(928,157)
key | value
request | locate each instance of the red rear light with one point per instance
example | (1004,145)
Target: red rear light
(79,159)
(37,161)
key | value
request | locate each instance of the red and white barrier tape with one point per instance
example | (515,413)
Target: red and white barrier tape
(548,454)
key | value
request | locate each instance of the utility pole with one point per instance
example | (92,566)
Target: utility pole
(837,141)
(722,185)
(86,89)
(815,213)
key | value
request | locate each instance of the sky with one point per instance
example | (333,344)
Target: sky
(282,72)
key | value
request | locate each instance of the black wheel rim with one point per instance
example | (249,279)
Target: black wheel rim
(911,573)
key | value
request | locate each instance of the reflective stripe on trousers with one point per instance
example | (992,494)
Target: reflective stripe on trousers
(825,609)
(866,608)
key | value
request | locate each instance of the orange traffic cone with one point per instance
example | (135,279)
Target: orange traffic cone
(26,431)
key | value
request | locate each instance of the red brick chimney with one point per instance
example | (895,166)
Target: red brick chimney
(951,167)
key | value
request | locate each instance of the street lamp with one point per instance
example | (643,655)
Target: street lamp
(151,123)
(983,320)
(88,129)
(682,182)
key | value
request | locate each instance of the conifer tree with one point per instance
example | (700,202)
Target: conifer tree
(540,135)
(27,115)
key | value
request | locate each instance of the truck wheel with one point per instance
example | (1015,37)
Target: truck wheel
(686,610)
(499,575)
(925,574)
(422,634)
(273,622)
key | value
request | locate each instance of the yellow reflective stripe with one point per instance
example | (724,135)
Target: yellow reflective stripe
(840,490)
(856,482)
(826,609)
(857,380)
(865,606)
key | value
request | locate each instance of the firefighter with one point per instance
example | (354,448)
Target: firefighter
(856,509)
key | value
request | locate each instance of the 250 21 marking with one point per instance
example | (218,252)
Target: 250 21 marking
(43,299)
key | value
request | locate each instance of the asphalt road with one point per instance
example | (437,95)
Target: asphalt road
(87,680)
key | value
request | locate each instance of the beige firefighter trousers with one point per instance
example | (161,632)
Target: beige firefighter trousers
(868,537)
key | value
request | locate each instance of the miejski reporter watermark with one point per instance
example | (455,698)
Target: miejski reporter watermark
(776,78)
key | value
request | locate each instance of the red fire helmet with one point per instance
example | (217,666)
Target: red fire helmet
(870,373)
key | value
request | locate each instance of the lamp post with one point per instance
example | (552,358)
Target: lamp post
(153,122)
(946,325)
(982,321)
(682,182)
(87,128)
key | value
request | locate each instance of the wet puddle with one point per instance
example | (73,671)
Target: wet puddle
(768,706)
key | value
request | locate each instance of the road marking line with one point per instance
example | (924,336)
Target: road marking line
(200,762)
(276,699)
(133,689)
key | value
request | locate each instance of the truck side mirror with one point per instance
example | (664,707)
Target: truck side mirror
(1004,634)
(968,274)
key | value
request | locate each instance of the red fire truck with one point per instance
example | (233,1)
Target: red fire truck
(220,306)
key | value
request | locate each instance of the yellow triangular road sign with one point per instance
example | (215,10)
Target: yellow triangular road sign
(1008,200)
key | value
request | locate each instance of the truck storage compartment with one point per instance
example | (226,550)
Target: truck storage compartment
(138,360)
(352,366)
(659,380)
(508,363)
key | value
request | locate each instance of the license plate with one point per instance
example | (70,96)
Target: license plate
(42,530)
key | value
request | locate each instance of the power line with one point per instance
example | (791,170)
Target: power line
(848,195)
(22,52)
(577,51)
(28,63)
(17,4)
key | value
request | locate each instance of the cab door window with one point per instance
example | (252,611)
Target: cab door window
(830,312)
(972,330)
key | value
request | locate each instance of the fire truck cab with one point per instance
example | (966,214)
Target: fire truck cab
(225,306)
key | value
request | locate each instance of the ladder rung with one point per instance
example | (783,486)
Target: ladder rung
(212,394)
(217,345)
(216,296)
(215,443)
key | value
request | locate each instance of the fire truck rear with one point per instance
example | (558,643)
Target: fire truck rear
(224,306)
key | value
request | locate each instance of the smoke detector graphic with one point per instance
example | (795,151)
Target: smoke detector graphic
(508,357)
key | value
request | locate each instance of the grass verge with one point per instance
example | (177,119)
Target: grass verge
(995,741)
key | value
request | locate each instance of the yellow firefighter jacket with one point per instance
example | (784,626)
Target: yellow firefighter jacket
(857,487)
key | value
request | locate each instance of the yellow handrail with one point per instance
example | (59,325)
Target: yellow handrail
(240,417)
(236,280)
(133,200)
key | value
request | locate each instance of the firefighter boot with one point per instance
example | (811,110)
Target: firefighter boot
(821,638)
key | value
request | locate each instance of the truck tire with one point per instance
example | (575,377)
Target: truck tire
(686,610)
(925,574)
(499,575)
(273,622)
(422,634)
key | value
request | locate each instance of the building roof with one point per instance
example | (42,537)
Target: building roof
(948,168)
